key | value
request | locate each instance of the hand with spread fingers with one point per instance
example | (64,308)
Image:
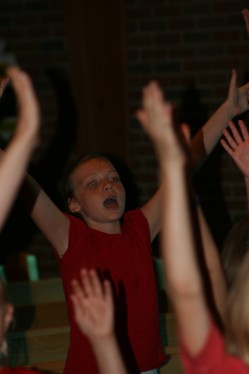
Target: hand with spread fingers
(94,314)
(236,143)
(93,305)
(245,14)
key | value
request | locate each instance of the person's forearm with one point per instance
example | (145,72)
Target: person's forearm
(108,356)
(177,238)
(208,136)
(13,163)
(184,281)
(213,263)
(47,216)
(31,192)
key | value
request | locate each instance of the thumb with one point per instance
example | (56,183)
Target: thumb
(185,131)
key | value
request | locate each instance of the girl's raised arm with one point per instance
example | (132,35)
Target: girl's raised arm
(50,220)
(16,157)
(183,277)
(94,314)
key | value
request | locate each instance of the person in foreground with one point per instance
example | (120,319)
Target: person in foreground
(12,168)
(94,314)
(203,347)
(14,160)
(236,143)
(6,318)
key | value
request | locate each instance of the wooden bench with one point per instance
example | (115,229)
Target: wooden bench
(40,335)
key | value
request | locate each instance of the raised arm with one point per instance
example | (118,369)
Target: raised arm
(47,216)
(178,250)
(213,264)
(208,136)
(94,314)
(245,14)
(18,152)
(4,80)
(203,142)
(236,143)
(50,220)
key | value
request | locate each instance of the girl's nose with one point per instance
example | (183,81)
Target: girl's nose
(107,186)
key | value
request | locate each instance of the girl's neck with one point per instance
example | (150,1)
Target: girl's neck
(108,227)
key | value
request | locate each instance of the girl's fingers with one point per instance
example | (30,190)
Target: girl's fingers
(232,84)
(3,84)
(243,129)
(78,291)
(226,147)
(153,98)
(108,291)
(22,85)
(229,139)
(86,283)
(96,284)
(91,284)
(235,132)
(142,117)
(185,130)
(75,302)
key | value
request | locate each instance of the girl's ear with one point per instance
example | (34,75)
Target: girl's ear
(73,205)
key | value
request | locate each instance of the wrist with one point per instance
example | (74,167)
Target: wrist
(102,343)
(228,109)
(99,340)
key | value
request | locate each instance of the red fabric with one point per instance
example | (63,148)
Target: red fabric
(213,358)
(18,370)
(125,259)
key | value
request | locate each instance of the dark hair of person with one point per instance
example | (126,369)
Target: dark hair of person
(124,173)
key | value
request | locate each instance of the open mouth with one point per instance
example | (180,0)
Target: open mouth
(110,202)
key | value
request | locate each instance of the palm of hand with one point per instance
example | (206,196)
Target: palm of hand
(95,317)
(241,157)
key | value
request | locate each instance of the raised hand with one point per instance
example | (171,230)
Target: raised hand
(245,13)
(28,108)
(237,97)
(93,305)
(156,117)
(3,84)
(17,154)
(237,146)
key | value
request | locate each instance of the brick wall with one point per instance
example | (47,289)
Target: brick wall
(189,46)
(34,30)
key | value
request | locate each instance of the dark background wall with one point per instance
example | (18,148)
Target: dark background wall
(89,62)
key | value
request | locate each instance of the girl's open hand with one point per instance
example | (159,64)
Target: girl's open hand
(93,305)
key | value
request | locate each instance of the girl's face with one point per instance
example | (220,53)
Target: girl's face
(99,195)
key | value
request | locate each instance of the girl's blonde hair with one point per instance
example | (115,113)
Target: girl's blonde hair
(237,313)
(234,249)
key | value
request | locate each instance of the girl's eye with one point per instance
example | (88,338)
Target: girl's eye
(114,179)
(92,183)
